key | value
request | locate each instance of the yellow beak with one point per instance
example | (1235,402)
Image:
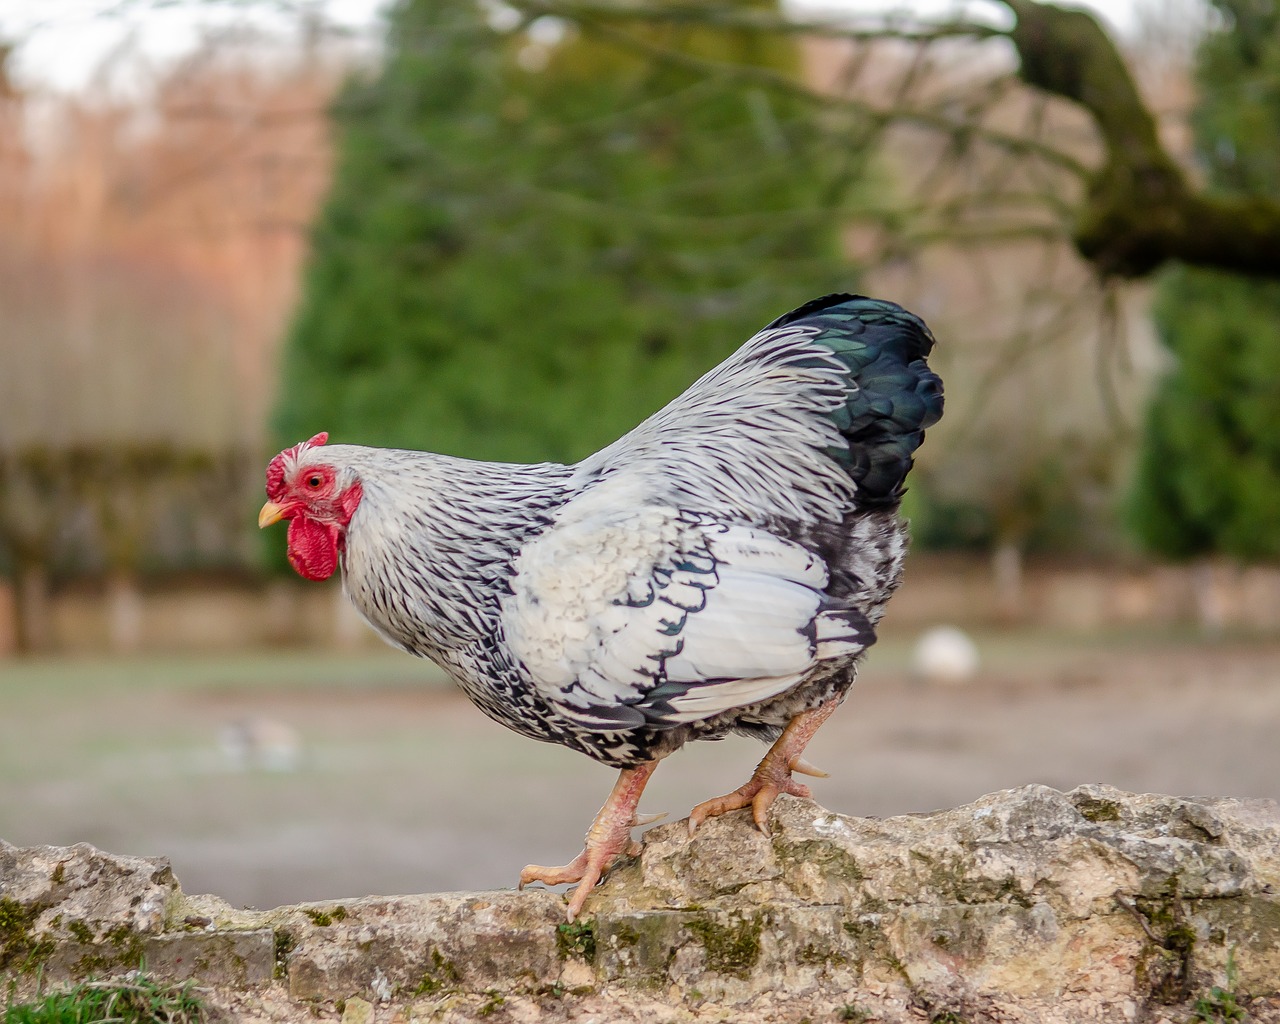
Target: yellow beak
(271,513)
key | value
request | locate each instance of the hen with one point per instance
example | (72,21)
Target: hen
(719,569)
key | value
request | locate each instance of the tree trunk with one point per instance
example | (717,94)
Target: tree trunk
(350,630)
(8,620)
(1006,567)
(124,612)
(33,614)
(1211,589)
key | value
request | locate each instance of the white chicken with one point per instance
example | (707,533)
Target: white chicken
(719,569)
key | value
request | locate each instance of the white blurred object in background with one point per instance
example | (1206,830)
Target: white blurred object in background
(261,743)
(945,654)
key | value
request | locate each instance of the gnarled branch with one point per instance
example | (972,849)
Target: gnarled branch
(1140,210)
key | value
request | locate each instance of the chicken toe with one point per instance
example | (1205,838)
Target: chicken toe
(772,776)
(608,837)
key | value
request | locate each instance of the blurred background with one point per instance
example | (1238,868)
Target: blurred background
(510,229)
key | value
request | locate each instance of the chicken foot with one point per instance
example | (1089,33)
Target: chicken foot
(609,836)
(772,776)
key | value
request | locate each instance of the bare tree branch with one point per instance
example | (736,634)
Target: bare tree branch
(745,20)
(604,21)
(1140,210)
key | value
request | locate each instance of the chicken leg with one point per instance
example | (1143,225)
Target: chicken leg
(609,835)
(773,774)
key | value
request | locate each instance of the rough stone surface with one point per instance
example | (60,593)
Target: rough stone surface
(390,948)
(76,911)
(1089,902)
(1027,905)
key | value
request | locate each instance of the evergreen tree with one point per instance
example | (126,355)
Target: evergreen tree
(530,246)
(1208,478)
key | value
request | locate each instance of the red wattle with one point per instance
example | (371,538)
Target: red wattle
(313,548)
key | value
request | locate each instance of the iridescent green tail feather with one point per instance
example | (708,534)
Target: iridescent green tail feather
(892,395)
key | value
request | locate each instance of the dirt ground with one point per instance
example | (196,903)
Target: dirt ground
(398,785)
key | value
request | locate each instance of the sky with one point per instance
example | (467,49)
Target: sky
(64,41)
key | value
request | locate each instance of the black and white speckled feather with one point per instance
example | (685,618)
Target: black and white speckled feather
(720,568)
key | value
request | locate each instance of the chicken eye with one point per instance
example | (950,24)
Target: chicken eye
(314,480)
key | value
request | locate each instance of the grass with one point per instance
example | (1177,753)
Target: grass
(136,1001)
(277,669)
(132,703)
(1222,1005)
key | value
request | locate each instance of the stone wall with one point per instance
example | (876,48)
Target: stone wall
(1027,905)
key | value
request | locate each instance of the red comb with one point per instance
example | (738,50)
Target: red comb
(276,467)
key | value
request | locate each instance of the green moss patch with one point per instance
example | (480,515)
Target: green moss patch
(1097,810)
(20,950)
(834,861)
(324,918)
(1164,967)
(732,948)
(285,943)
(438,975)
(577,940)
